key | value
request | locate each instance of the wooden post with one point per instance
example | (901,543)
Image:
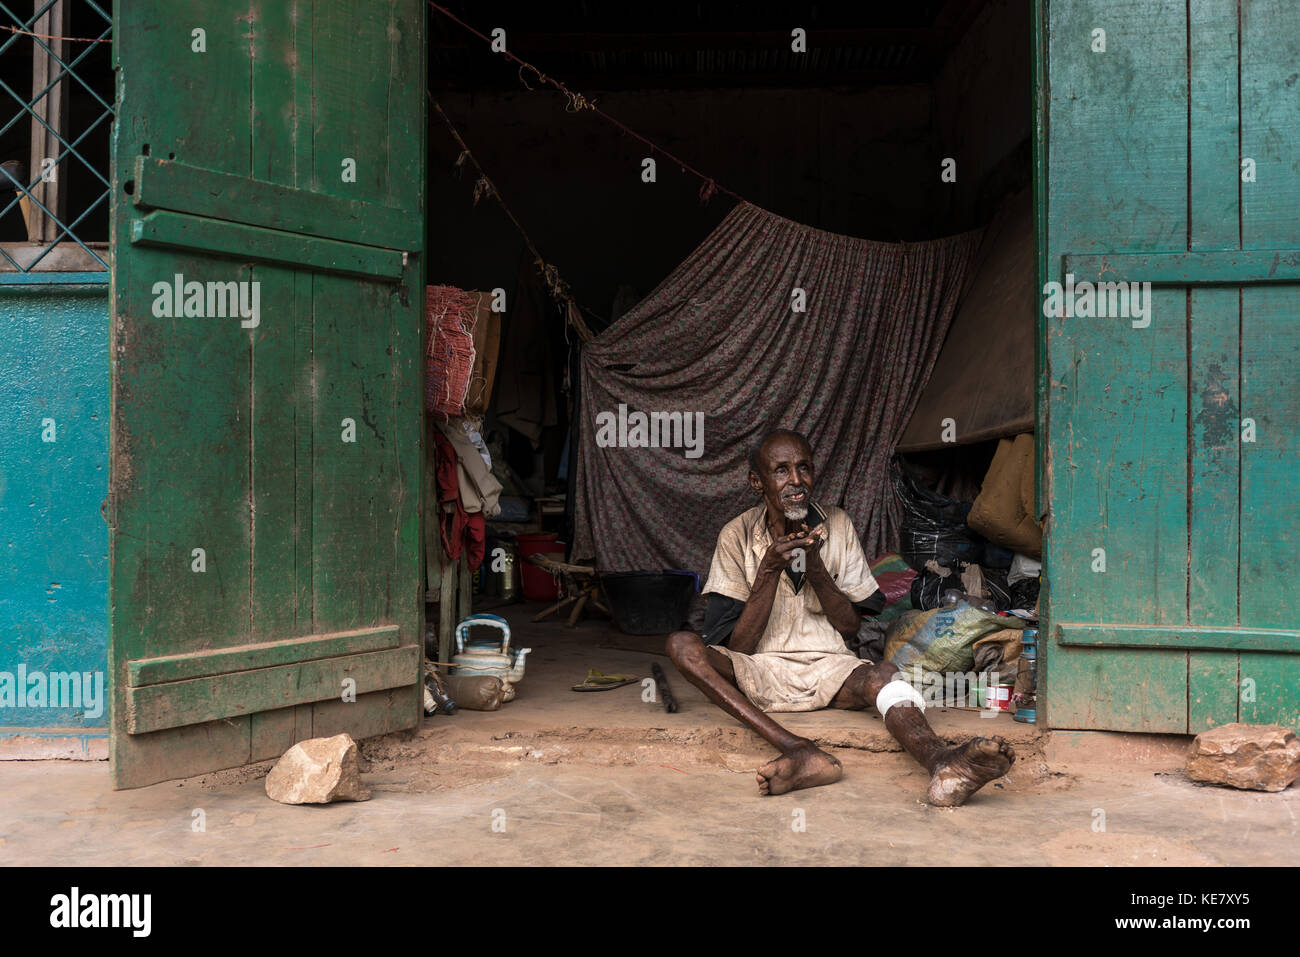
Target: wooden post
(52,107)
(447,611)
(466,603)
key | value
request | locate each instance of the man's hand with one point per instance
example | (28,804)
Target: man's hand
(785,549)
(835,604)
(818,536)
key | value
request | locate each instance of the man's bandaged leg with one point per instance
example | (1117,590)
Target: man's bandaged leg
(897,692)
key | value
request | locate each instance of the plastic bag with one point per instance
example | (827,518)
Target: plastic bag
(476,692)
(928,588)
(942,639)
(1024,594)
(933,589)
(1022,567)
(934,526)
(995,587)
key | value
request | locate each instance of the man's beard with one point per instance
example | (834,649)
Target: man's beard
(796,514)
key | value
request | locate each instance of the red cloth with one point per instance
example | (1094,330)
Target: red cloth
(462,533)
(475,539)
(895,584)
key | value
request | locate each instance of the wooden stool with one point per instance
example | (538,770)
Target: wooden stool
(581,584)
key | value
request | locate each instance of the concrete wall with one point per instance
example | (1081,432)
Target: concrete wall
(53,540)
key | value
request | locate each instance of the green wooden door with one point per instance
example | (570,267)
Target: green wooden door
(1172,438)
(266,378)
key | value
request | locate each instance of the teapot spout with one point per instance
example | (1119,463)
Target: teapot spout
(517,667)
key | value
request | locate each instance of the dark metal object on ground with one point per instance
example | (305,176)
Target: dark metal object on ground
(665,693)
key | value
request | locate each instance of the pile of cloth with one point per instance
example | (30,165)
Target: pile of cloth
(894,576)
(977,568)
(988,550)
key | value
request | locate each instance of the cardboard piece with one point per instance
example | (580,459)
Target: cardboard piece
(487,345)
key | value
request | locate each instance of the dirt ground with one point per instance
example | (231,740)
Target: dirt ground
(558,777)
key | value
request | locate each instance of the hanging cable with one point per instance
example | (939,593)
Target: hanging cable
(483,186)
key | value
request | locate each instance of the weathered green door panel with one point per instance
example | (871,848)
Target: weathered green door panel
(1268,689)
(205,664)
(1122,691)
(1168,532)
(1270,335)
(176,704)
(1191,637)
(264,502)
(238,241)
(1270,512)
(1270,106)
(1116,464)
(1211,689)
(182,188)
(1213,325)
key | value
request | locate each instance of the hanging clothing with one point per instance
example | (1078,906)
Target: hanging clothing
(462,532)
(479,488)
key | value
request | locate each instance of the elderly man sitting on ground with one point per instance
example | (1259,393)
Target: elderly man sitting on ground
(787,584)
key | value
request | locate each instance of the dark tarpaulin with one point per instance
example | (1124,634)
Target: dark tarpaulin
(984,378)
(719,336)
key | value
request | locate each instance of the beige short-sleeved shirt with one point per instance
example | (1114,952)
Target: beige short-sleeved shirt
(800,661)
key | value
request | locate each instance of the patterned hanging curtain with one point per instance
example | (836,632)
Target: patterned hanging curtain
(721,341)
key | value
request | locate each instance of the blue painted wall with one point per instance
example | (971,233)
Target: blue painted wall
(53,539)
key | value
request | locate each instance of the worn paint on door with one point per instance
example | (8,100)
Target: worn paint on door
(267,396)
(1171,133)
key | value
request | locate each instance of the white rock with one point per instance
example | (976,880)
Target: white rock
(318,771)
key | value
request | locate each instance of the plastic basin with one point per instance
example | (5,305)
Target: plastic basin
(649,603)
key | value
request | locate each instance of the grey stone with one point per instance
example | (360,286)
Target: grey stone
(318,771)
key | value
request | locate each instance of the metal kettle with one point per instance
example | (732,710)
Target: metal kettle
(488,656)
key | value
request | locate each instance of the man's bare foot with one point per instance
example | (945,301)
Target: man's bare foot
(804,767)
(963,769)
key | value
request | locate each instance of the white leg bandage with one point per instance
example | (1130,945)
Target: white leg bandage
(895,692)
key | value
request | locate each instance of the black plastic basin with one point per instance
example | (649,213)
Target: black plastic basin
(649,603)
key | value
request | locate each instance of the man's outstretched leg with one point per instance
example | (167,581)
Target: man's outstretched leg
(956,770)
(801,764)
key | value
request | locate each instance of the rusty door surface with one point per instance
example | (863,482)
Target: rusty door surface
(266,378)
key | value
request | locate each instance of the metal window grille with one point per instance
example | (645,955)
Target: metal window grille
(64,110)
